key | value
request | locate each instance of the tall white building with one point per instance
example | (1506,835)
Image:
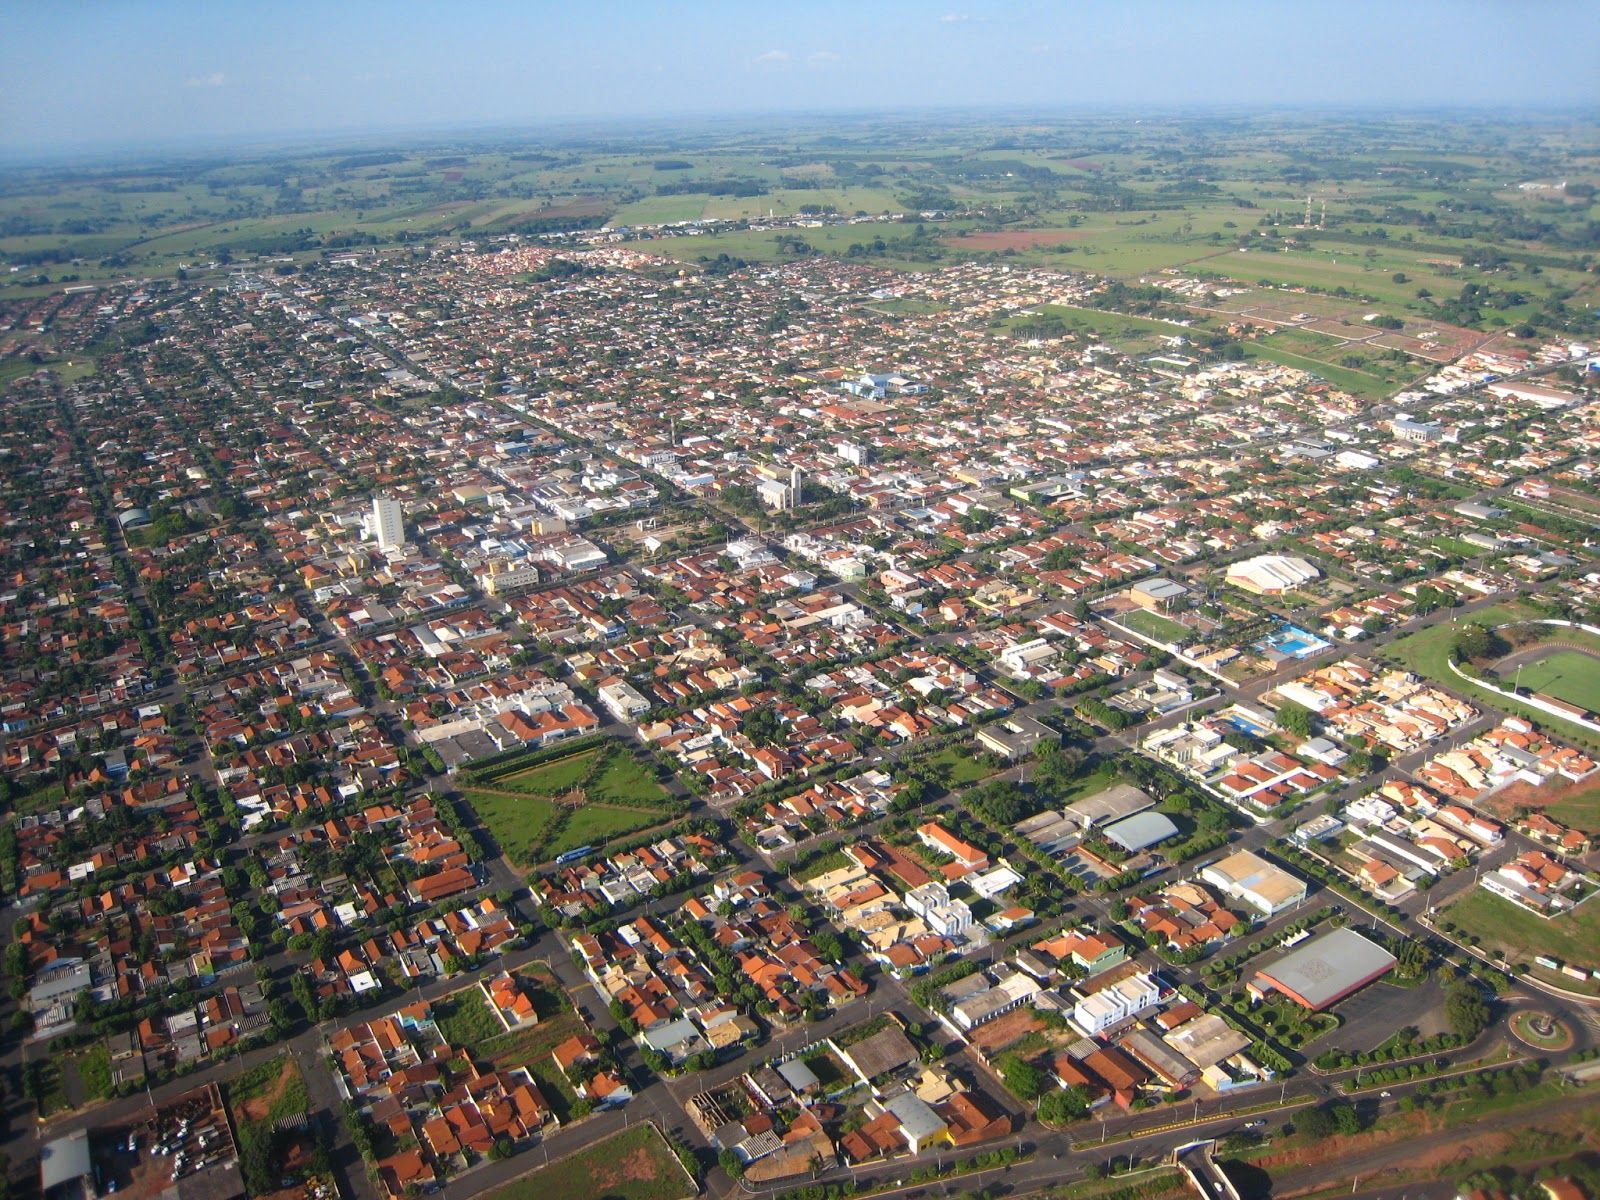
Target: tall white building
(388,523)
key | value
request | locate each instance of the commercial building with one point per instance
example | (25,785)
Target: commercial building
(1272,574)
(1325,970)
(1251,879)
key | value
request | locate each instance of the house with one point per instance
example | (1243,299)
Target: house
(936,837)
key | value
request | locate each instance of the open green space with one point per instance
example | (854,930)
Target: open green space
(519,823)
(956,766)
(594,825)
(1427,652)
(636,1164)
(1154,625)
(1579,808)
(1357,383)
(1073,319)
(1084,784)
(1498,924)
(552,778)
(625,780)
(1567,675)
(464,1018)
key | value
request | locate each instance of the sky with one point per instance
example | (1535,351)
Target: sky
(129,73)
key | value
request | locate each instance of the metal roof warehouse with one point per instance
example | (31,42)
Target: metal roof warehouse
(1325,970)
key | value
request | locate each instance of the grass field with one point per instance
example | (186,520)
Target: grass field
(1579,809)
(1156,626)
(635,1164)
(1566,675)
(1427,652)
(593,825)
(1106,324)
(519,823)
(1357,383)
(551,778)
(464,1018)
(1573,937)
(956,767)
(625,780)
(1084,785)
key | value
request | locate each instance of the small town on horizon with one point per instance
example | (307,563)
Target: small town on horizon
(961,653)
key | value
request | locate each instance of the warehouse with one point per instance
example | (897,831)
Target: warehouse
(1325,970)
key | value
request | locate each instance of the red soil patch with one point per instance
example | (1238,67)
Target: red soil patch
(257,1107)
(1503,804)
(1014,239)
(995,1035)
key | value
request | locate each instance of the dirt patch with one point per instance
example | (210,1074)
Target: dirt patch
(996,1035)
(1504,803)
(636,1165)
(1014,239)
(257,1107)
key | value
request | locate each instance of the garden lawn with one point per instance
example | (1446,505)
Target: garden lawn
(636,1164)
(519,823)
(1573,938)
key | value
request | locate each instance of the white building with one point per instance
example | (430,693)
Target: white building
(622,700)
(1110,1006)
(946,917)
(388,524)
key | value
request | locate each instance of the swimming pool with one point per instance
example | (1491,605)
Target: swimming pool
(1292,642)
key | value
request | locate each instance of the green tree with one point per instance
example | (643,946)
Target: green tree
(1296,718)
(1024,1079)
(1466,1010)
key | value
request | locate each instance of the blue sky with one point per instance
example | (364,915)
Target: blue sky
(127,72)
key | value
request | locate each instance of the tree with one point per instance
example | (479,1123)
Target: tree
(1315,1123)
(502,1148)
(1063,1105)
(1024,1079)
(731,1164)
(1466,1010)
(1471,641)
(1296,718)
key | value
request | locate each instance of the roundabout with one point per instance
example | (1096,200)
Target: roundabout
(1541,1030)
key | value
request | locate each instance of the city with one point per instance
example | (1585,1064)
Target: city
(969,679)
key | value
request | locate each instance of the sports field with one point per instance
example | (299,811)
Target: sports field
(1567,675)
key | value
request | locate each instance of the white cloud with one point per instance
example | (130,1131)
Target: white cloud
(823,58)
(772,58)
(1041,48)
(215,79)
(953,18)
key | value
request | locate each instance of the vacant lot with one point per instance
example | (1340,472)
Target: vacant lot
(1573,937)
(464,1018)
(518,822)
(635,1164)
